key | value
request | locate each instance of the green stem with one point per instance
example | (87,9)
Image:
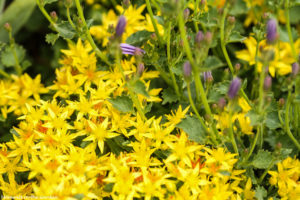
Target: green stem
(198,115)
(133,96)
(88,34)
(266,171)
(45,13)
(169,60)
(231,134)
(153,22)
(288,27)
(287,121)
(2,3)
(164,75)
(253,145)
(13,49)
(3,73)
(195,11)
(69,19)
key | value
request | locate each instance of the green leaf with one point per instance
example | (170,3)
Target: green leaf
(49,1)
(272,121)
(169,96)
(122,103)
(79,196)
(262,159)
(25,64)
(140,88)
(7,56)
(260,193)
(51,38)
(65,30)
(16,15)
(211,62)
(238,8)
(255,118)
(108,187)
(193,128)
(138,38)
(236,37)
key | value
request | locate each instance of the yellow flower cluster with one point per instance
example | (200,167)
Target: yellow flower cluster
(283,57)
(287,179)
(135,22)
(18,91)
(64,144)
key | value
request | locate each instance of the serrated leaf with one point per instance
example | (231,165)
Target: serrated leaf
(138,38)
(272,121)
(7,56)
(193,128)
(260,193)
(211,62)
(122,103)
(169,96)
(51,38)
(25,64)
(49,1)
(16,15)
(262,159)
(65,30)
(140,88)
(255,118)
(236,37)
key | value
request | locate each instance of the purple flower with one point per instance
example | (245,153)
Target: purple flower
(131,50)
(272,31)
(140,69)
(207,76)
(121,26)
(187,70)
(234,87)
(295,69)
(199,38)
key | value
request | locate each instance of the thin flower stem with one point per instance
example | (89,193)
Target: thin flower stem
(288,27)
(196,3)
(169,60)
(45,13)
(69,19)
(261,178)
(231,135)
(153,22)
(213,137)
(88,34)
(253,145)
(224,50)
(3,73)
(164,75)
(13,49)
(287,121)
(133,96)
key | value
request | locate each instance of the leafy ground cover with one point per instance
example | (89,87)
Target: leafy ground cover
(154,99)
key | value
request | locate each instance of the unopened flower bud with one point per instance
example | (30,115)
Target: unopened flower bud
(111,28)
(208,37)
(121,26)
(295,69)
(187,70)
(237,66)
(234,88)
(231,19)
(199,38)
(153,36)
(281,102)
(222,103)
(126,4)
(7,27)
(272,34)
(68,3)
(54,16)
(140,69)
(267,82)
(208,76)
(265,15)
(186,14)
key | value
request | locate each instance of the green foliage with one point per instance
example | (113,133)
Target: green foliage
(193,128)
(16,15)
(140,88)
(138,38)
(169,96)
(65,30)
(262,159)
(7,56)
(51,38)
(260,193)
(122,103)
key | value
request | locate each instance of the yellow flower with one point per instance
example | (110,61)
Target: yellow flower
(282,60)
(175,117)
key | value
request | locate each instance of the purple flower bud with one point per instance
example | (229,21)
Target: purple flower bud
(140,69)
(208,37)
(268,83)
(208,76)
(187,70)
(271,31)
(121,26)
(131,50)
(295,69)
(222,103)
(234,87)
(231,19)
(54,16)
(186,13)
(199,38)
